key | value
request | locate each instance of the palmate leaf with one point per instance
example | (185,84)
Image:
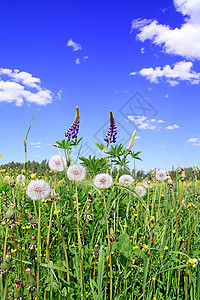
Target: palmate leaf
(94,165)
(75,142)
(67,144)
(135,155)
(100,145)
(64,144)
(116,151)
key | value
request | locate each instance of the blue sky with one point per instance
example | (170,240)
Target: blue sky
(101,56)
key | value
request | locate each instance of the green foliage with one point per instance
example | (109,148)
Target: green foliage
(118,155)
(100,145)
(94,165)
(67,144)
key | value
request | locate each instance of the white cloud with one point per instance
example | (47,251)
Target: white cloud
(173,82)
(142,122)
(194,141)
(166,96)
(23,77)
(184,41)
(85,58)
(74,45)
(172,127)
(142,50)
(17,87)
(180,72)
(137,137)
(35,143)
(132,73)
(77,61)
(59,94)
(189,8)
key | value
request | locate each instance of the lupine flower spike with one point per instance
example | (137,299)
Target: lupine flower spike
(130,145)
(73,130)
(112,132)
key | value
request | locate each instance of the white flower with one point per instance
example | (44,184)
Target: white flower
(146,183)
(7,178)
(103,181)
(127,179)
(57,163)
(195,264)
(140,190)
(38,189)
(161,175)
(20,178)
(76,173)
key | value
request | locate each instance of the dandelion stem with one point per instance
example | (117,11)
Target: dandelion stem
(64,248)
(48,234)
(109,247)
(38,246)
(175,209)
(79,240)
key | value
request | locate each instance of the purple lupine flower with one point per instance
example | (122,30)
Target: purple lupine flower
(73,130)
(110,137)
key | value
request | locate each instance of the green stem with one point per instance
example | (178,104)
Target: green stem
(64,248)
(79,240)
(4,254)
(188,250)
(48,234)
(109,247)
(160,194)
(175,209)
(25,142)
(13,237)
(38,246)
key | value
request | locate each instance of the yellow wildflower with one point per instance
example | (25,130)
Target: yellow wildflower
(33,175)
(153,278)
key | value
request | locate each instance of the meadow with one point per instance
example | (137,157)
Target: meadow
(89,231)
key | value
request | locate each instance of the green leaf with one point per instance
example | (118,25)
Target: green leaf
(94,165)
(124,244)
(100,145)
(100,271)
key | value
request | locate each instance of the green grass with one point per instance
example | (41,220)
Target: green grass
(155,239)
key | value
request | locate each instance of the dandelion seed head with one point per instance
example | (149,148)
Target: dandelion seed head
(146,183)
(140,190)
(103,181)
(76,173)
(126,179)
(57,163)
(38,189)
(161,175)
(20,178)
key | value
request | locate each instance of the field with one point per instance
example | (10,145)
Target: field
(88,231)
